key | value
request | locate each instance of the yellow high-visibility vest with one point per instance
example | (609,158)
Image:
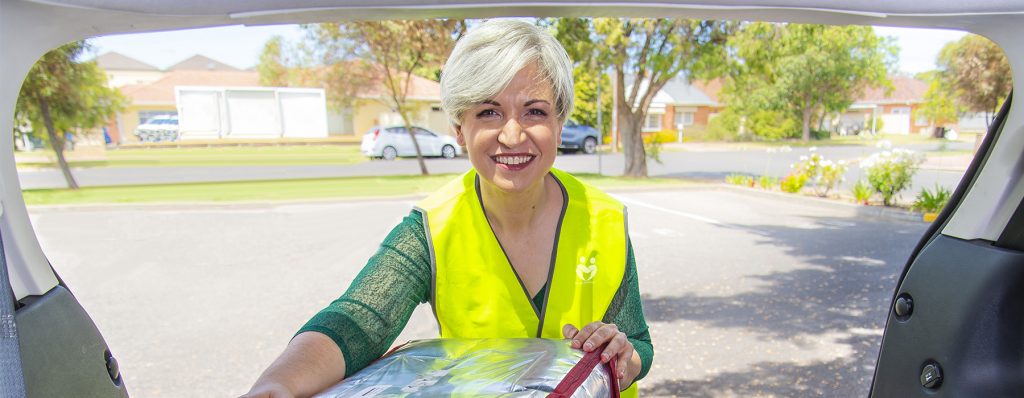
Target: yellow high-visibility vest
(475,292)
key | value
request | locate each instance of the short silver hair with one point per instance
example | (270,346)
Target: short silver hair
(485,60)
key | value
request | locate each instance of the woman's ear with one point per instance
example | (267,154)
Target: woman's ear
(459,138)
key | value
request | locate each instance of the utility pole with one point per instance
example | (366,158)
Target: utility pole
(615,114)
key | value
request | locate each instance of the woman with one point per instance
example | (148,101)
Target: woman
(513,248)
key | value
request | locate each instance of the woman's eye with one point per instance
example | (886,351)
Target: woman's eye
(487,113)
(537,112)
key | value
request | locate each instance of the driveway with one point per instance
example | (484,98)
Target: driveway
(746,293)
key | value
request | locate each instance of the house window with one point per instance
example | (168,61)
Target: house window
(146,115)
(652,122)
(684,118)
(900,110)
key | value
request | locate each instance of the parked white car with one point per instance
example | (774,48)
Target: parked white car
(389,143)
(158,128)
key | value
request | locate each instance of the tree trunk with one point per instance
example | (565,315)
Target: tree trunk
(807,125)
(633,143)
(57,143)
(415,144)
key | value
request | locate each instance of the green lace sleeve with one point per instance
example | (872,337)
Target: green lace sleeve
(369,316)
(367,319)
(627,313)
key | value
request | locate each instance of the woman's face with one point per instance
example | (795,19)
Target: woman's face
(513,137)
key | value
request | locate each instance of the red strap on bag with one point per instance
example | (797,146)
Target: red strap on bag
(581,371)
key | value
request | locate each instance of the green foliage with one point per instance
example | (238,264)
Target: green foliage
(393,52)
(272,66)
(793,183)
(585,109)
(724,127)
(653,51)
(862,192)
(773,125)
(932,202)
(804,71)
(739,179)
(767,182)
(891,172)
(940,107)
(825,174)
(978,73)
(652,150)
(61,95)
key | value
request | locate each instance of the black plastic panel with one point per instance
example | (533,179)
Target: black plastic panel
(968,316)
(62,352)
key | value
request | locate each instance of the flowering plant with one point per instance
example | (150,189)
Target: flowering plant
(890,172)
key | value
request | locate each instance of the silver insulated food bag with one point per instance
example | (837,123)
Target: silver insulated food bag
(482,368)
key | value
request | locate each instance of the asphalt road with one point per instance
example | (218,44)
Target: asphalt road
(714,165)
(746,293)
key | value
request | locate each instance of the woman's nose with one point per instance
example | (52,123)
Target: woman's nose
(512,134)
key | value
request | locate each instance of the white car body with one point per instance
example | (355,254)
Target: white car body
(970,299)
(391,142)
(158,128)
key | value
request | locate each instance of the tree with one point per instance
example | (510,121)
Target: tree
(940,106)
(393,52)
(978,73)
(575,36)
(273,67)
(805,71)
(651,52)
(63,95)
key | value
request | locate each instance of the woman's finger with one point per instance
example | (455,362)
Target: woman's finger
(584,334)
(569,331)
(615,347)
(604,334)
(622,361)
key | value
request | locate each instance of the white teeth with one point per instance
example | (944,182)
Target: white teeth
(512,160)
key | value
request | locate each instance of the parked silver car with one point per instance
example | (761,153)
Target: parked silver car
(389,143)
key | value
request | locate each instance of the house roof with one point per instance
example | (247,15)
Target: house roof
(422,89)
(200,62)
(678,91)
(161,92)
(117,61)
(906,90)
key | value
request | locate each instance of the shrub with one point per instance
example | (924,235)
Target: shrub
(793,183)
(890,172)
(862,192)
(830,174)
(767,182)
(825,174)
(739,179)
(723,127)
(772,125)
(663,136)
(931,202)
(820,134)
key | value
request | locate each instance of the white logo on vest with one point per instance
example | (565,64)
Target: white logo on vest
(586,272)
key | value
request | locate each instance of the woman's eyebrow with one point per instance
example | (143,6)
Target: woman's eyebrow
(534,101)
(491,102)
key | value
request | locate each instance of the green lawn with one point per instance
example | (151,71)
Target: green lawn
(282,190)
(214,156)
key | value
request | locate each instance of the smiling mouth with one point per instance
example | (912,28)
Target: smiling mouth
(513,162)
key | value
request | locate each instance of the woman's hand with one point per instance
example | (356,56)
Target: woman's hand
(619,349)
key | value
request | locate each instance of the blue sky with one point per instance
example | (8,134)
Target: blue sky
(240,46)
